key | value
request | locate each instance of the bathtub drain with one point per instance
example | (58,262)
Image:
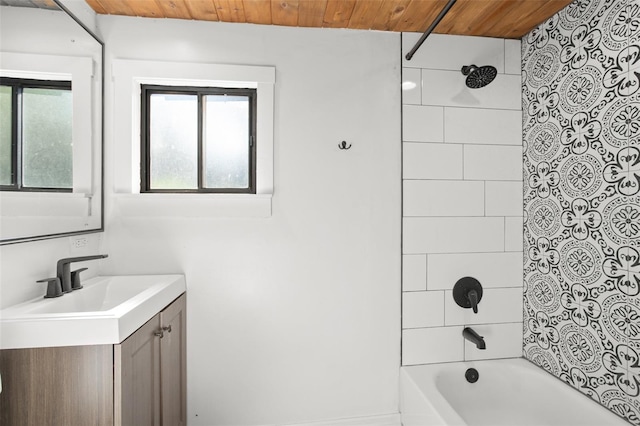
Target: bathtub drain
(472,375)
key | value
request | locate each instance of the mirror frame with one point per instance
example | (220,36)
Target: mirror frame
(17,240)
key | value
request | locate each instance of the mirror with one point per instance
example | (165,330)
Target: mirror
(50,134)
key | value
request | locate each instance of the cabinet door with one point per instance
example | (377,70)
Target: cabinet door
(57,386)
(137,377)
(174,363)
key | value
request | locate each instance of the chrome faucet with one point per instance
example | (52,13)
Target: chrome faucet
(63,271)
(471,335)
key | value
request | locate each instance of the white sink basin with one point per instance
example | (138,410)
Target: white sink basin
(106,311)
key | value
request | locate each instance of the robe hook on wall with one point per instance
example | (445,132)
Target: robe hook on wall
(343,145)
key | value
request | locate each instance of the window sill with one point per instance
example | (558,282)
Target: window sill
(26,214)
(193,205)
(40,204)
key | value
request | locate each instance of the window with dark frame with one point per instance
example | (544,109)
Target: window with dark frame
(36,150)
(198,140)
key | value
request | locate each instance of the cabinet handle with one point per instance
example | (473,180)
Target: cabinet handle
(167,329)
(159,333)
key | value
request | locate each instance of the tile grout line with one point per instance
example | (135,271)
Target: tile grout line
(504,55)
(426,272)
(444,127)
(463,149)
(484,198)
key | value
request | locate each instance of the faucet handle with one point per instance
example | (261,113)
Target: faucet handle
(54,288)
(472,296)
(75,279)
(467,292)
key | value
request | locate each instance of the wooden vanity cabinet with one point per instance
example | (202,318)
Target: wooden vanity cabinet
(150,371)
(139,382)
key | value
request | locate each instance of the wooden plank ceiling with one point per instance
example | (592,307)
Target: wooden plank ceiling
(489,18)
(38,4)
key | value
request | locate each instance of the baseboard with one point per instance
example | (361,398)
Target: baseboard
(383,420)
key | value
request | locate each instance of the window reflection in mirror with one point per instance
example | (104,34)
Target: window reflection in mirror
(50,122)
(5,136)
(36,135)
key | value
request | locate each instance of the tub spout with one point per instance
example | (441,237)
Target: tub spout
(471,335)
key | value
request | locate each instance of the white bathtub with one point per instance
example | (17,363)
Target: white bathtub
(509,392)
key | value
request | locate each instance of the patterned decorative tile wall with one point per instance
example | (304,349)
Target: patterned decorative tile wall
(581,124)
(462,198)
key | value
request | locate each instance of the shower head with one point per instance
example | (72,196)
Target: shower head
(478,77)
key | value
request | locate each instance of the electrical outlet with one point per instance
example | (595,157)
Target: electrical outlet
(78,242)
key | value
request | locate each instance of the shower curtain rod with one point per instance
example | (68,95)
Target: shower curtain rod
(431,27)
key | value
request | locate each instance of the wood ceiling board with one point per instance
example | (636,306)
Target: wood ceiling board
(390,13)
(338,13)
(364,14)
(311,13)
(257,11)
(465,20)
(97,7)
(230,10)
(544,12)
(503,19)
(526,14)
(497,14)
(176,9)
(118,7)
(490,18)
(419,14)
(203,10)
(147,9)
(285,12)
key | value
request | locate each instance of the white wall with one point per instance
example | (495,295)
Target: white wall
(462,199)
(295,317)
(21,265)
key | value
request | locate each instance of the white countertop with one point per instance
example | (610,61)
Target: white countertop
(106,311)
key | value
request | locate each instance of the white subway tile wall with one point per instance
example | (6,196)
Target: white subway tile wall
(453,234)
(414,272)
(512,57)
(492,162)
(462,199)
(431,161)
(431,345)
(483,126)
(503,198)
(513,234)
(423,309)
(423,123)
(412,86)
(444,198)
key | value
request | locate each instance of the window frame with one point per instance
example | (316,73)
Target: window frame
(17,87)
(146,90)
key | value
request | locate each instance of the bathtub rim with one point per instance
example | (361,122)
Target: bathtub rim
(448,415)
